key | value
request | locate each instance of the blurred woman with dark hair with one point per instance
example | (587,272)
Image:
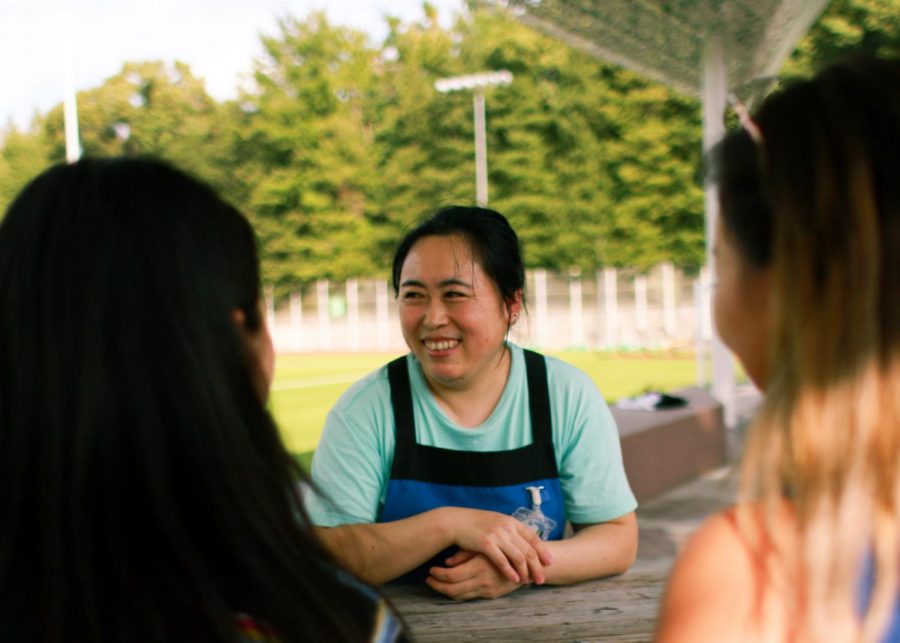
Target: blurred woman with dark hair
(145,493)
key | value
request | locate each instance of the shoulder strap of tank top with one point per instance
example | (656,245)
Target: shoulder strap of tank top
(538,397)
(401,401)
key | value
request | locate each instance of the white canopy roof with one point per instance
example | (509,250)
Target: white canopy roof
(666,39)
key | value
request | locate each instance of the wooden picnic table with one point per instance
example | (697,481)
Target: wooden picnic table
(621,608)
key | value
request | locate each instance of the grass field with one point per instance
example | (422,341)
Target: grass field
(306,386)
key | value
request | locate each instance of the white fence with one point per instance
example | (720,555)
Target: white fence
(609,309)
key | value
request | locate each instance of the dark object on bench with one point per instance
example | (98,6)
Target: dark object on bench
(652,401)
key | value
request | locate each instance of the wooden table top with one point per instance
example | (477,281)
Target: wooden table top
(620,608)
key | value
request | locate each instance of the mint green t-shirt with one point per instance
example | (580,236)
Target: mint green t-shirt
(352,464)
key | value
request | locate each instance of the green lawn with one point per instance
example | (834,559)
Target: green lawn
(306,386)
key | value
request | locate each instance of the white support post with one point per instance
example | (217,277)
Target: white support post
(706,311)
(296,308)
(382,321)
(481,181)
(640,303)
(352,288)
(699,343)
(670,325)
(576,310)
(70,102)
(296,316)
(324,314)
(270,306)
(715,91)
(540,303)
(611,307)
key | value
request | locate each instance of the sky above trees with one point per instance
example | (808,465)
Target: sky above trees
(217,38)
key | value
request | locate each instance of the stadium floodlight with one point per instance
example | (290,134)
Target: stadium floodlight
(474,81)
(477,83)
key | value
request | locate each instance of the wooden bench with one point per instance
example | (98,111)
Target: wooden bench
(662,449)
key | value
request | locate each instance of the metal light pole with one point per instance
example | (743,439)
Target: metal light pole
(477,82)
(70,103)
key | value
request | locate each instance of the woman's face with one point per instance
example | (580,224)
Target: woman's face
(262,350)
(451,313)
(741,306)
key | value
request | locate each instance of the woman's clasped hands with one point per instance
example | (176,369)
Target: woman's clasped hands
(498,554)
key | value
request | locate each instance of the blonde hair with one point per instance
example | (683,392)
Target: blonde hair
(828,436)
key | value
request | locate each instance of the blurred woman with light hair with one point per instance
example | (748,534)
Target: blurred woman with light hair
(808,297)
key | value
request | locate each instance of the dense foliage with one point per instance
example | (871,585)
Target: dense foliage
(342,143)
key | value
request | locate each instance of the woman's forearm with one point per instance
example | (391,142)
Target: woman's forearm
(380,552)
(594,551)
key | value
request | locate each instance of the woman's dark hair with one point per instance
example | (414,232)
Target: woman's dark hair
(819,193)
(746,211)
(145,493)
(810,130)
(494,245)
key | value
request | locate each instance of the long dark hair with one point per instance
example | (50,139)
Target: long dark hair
(145,493)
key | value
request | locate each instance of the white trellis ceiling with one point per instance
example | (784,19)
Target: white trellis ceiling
(667,39)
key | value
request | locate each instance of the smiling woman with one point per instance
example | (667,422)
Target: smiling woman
(454,320)
(424,463)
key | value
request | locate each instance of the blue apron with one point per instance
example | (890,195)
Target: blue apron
(425,477)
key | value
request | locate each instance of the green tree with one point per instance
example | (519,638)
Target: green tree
(147,108)
(342,143)
(593,164)
(659,212)
(848,27)
(425,139)
(23,155)
(546,140)
(307,159)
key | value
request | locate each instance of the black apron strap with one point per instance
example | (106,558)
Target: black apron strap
(538,397)
(401,401)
